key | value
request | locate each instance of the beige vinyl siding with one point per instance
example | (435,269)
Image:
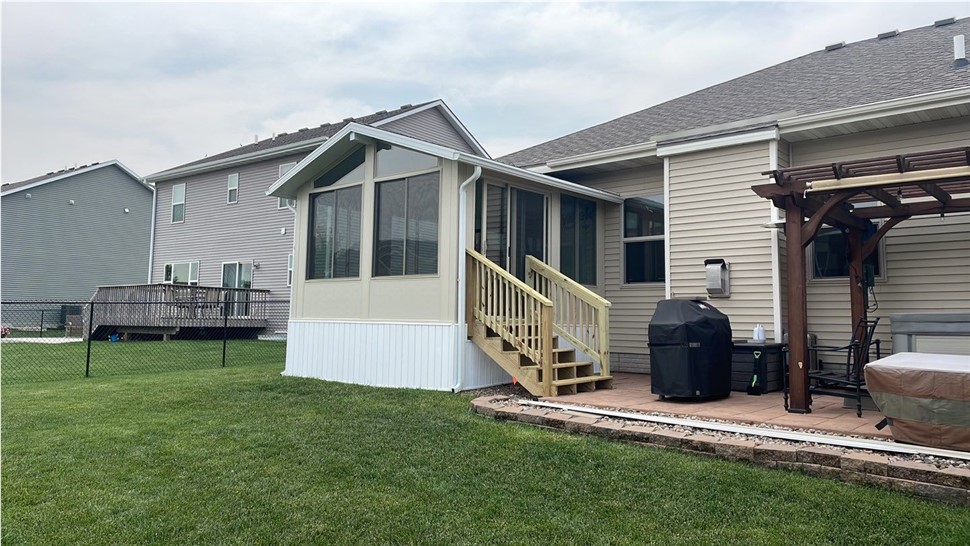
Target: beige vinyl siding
(714,214)
(633,305)
(927,261)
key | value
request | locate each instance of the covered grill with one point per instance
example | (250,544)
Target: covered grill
(690,350)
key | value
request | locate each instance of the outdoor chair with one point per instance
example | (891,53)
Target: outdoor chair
(845,379)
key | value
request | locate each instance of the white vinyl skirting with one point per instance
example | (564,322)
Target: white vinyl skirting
(407,355)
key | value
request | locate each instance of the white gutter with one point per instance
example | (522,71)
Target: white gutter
(905,105)
(720,141)
(151,239)
(461,335)
(635,151)
(841,441)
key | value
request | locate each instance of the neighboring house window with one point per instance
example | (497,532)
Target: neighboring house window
(233,196)
(283,202)
(178,203)
(334,245)
(643,239)
(406,226)
(577,248)
(181,273)
(830,259)
(392,160)
(289,270)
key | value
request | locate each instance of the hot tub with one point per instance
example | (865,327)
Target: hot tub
(925,397)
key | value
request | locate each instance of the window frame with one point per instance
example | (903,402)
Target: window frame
(281,202)
(170,267)
(174,203)
(232,185)
(310,233)
(374,255)
(640,239)
(810,259)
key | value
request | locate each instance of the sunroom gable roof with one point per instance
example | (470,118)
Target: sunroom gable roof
(353,135)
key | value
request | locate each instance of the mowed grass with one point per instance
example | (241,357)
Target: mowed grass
(22,362)
(243,455)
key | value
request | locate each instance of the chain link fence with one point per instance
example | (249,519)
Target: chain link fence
(58,340)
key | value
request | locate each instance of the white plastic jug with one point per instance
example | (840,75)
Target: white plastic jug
(759,333)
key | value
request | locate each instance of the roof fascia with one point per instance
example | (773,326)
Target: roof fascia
(449,115)
(634,151)
(141,181)
(717,142)
(905,105)
(361,133)
(236,160)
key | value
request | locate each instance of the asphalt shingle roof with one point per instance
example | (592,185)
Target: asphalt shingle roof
(284,139)
(41,178)
(910,63)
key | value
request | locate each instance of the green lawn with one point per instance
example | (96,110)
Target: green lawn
(29,362)
(243,455)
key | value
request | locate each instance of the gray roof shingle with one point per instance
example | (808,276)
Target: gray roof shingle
(911,63)
(41,178)
(284,139)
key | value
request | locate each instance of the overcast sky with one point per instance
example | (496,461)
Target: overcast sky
(157,85)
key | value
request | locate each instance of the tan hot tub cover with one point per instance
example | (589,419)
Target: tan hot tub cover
(926,397)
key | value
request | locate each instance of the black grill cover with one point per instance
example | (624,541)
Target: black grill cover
(690,350)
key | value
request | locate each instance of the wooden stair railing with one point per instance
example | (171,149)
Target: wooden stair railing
(513,324)
(580,316)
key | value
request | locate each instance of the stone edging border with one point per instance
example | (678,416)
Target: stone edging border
(950,485)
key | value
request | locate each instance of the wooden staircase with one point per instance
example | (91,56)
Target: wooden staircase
(514,325)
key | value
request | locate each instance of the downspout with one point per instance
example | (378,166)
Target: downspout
(296,226)
(460,335)
(151,238)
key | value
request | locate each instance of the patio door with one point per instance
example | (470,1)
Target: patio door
(237,275)
(514,226)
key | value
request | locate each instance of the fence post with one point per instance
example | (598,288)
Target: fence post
(225,334)
(40,332)
(87,364)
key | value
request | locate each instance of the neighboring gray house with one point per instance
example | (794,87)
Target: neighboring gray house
(215,226)
(67,232)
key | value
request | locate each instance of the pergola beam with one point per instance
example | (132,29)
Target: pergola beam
(938,193)
(884,196)
(924,208)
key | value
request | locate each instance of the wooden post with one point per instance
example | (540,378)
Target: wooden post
(797,311)
(546,344)
(854,246)
(604,342)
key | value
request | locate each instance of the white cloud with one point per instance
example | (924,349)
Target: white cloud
(156,85)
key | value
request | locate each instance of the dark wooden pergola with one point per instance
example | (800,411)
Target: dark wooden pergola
(849,195)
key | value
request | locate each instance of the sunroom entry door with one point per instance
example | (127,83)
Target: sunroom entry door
(237,275)
(527,229)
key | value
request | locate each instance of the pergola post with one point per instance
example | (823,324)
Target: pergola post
(857,286)
(797,311)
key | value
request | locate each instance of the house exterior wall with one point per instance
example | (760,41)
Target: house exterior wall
(56,251)
(633,304)
(213,232)
(430,126)
(926,260)
(714,214)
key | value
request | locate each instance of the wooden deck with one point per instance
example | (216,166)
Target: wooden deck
(167,310)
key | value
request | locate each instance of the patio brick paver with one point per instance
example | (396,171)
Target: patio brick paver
(632,392)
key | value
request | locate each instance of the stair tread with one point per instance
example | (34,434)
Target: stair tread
(576,380)
(570,364)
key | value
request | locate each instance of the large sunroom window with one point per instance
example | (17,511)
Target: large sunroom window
(643,239)
(577,249)
(334,245)
(406,226)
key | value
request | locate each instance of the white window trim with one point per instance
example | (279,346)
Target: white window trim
(643,238)
(190,281)
(281,202)
(289,270)
(182,202)
(232,184)
(882,277)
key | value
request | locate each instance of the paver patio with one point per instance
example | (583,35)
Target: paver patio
(632,392)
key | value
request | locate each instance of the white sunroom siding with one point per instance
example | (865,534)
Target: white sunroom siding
(633,305)
(927,261)
(715,214)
